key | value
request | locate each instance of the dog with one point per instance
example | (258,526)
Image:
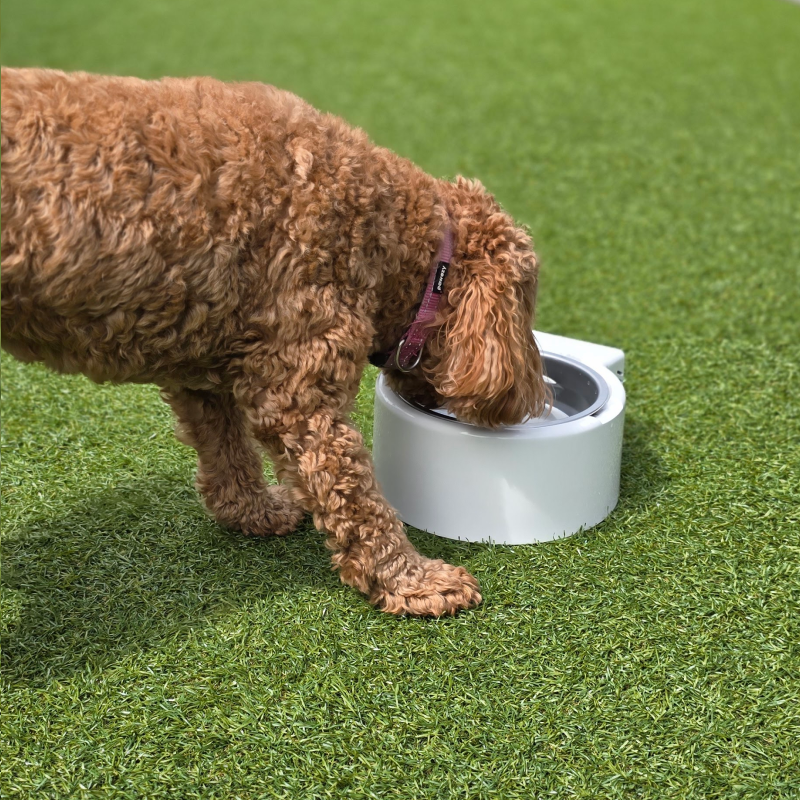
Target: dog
(249,254)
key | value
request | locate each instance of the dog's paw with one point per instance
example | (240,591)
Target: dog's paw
(437,590)
(270,513)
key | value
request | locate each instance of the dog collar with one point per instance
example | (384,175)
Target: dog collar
(406,354)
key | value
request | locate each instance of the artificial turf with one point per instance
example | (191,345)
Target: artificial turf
(653,149)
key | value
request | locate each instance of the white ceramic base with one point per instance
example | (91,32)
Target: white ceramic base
(518,485)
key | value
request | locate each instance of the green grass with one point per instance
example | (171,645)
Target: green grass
(653,149)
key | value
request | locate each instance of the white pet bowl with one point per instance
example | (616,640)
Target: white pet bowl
(541,480)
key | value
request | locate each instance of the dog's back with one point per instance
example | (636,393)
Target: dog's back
(133,212)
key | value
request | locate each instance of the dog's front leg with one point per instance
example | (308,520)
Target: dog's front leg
(230,474)
(324,461)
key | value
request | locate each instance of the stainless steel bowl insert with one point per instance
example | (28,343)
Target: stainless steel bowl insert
(578,391)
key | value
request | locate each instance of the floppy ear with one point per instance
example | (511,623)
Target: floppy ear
(477,358)
(490,369)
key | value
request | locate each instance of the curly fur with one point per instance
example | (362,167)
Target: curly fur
(247,253)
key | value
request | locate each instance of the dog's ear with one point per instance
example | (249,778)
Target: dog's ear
(489,370)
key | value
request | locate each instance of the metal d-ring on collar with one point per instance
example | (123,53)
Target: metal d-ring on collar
(397,357)
(408,352)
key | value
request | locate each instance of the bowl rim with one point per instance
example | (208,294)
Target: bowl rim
(603,395)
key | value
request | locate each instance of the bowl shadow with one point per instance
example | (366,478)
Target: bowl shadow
(643,473)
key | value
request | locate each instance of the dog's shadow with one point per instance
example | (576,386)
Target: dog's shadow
(126,569)
(129,568)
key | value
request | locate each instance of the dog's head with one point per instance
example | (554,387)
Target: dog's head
(481,362)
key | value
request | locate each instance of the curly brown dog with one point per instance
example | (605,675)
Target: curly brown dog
(247,254)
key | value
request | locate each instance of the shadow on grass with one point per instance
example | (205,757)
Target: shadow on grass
(131,567)
(644,475)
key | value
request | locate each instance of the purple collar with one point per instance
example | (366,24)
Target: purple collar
(408,351)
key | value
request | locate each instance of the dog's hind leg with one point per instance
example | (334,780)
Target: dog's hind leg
(230,474)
